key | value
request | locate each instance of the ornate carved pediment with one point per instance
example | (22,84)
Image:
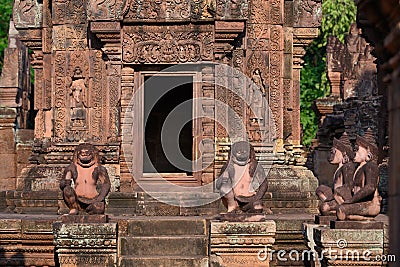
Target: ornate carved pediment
(174,44)
(27,14)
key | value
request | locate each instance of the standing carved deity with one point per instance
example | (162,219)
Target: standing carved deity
(77,92)
(365,202)
(257,94)
(341,154)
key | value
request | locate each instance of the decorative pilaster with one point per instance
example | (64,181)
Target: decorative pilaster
(127,129)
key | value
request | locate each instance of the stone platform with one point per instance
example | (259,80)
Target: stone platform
(184,241)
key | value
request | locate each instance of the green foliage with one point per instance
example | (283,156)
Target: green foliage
(337,17)
(5,15)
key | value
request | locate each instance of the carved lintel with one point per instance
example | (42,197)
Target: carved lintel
(171,44)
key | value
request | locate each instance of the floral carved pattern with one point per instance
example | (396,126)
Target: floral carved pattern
(175,44)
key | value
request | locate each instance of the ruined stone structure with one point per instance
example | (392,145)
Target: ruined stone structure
(355,103)
(15,99)
(90,58)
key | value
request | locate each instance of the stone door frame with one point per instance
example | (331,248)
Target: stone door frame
(138,131)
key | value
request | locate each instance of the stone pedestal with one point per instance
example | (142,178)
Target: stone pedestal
(351,247)
(85,244)
(241,243)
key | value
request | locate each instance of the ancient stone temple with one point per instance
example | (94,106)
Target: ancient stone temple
(230,68)
(91,59)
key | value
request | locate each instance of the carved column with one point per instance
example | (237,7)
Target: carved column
(109,33)
(307,16)
(264,60)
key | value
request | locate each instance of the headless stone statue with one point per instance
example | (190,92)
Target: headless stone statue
(341,154)
(85,171)
(242,181)
(365,202)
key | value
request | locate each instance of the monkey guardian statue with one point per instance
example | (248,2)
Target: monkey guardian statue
(85,171)
(242,182)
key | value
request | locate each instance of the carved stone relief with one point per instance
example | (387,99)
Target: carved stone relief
(70,37)
(229,9)
(170,10)
(106,9)
(307,13)
(97,96)
(69,12)
(60,73)
(77,97)
(27,13)
(171,44)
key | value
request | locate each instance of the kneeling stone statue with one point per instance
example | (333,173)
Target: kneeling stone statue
(85,171)
(242,182)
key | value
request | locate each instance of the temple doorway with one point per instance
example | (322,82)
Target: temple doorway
(168,125)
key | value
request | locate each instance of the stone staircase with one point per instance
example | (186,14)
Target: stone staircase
(164,242)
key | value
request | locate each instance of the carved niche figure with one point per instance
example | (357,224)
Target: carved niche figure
(77,94)
(341,154)
(242,181)
(258,92)
(365,202)
(85,171)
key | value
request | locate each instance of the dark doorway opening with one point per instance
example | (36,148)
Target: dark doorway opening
(168,144)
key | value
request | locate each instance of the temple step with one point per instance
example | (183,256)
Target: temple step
(164,241)
(159,261)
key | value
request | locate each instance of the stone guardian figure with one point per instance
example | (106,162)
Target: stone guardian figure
(365,202)
(341,154)
(242,181)
(85,172)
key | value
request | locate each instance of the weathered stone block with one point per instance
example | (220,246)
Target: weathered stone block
(7,166)
(152,227)
(7,141)
(350,247)
(26,241)
(240,243)
(86,244)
